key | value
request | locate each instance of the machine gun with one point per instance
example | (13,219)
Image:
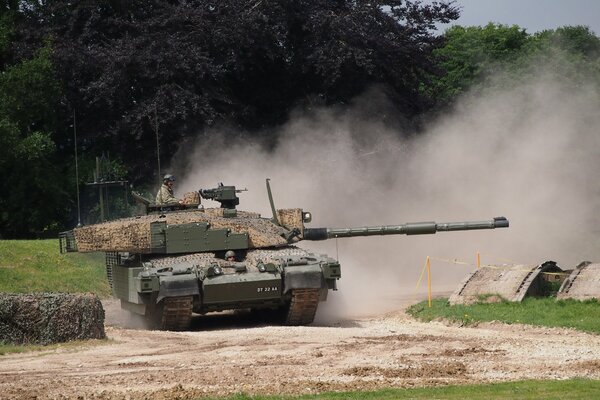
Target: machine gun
(226,195)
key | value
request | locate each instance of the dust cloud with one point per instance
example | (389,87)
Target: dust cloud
(529,153)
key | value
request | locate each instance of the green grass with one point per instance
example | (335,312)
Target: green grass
(567,389)
(581,315)
(37,266)
(13,348)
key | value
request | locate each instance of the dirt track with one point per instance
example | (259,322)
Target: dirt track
(238,354)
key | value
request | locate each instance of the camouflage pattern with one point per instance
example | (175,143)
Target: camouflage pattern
(291,218)
(134,234)
(191,198)
(45,318)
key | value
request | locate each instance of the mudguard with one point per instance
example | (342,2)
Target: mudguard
(303,277)
(178,285)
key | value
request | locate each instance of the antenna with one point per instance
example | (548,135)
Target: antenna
(157,143)
(274,219)
(76,170)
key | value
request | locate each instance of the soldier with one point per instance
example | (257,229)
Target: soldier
(165,193)
(230,256)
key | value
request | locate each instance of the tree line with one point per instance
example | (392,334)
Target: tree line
(114,71)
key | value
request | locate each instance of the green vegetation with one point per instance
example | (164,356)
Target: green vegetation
(189,70)
(582,315)
(478,59)
(569,389)
(28,152)
(131,67)
(11,348)
(38,266)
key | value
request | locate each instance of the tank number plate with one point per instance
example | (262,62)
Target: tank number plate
(267,289)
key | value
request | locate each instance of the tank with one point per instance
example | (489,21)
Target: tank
(176,260)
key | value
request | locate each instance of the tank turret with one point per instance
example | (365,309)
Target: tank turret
(172,261)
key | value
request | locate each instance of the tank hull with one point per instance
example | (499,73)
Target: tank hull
(167,290)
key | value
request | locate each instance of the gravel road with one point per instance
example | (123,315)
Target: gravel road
(227,354)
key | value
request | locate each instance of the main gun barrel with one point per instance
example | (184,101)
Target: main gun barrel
(413,228)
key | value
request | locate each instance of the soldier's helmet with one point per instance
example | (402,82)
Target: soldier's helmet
(230,253)
(169,177)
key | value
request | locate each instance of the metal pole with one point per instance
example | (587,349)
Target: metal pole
(157,144)
(273,210)
(100,194)
(429,281)
(126,200)
(107,202)
(76,170)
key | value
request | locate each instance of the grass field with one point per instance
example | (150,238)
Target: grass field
(38,266)
(568,389)
(581,315)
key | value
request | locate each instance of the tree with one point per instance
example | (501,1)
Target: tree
(186,65)
(570,53)
(494,56)
(471,53)
(127,67)
(32,186)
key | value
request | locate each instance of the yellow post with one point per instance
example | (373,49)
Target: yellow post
(429,281)
(420,279)
(478,260)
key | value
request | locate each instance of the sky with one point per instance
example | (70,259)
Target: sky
(533,15)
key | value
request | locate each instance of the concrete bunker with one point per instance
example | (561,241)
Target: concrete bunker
(510,282)
(583,283)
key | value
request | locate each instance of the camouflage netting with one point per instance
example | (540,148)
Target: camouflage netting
(44,318)
(253,257)
(201,259)
(191,198)
(134,234)
(291,218)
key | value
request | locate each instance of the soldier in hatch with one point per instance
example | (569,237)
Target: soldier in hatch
(165,193)
(230,256)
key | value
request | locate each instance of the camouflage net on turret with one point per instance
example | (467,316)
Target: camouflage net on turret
(191,198)
(134,234)
(291,218)
(253,257)
(44,318)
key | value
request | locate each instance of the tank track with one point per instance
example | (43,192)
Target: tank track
(176,313)
(303,307)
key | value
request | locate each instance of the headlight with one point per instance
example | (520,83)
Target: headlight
(306,217)
(214,270)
